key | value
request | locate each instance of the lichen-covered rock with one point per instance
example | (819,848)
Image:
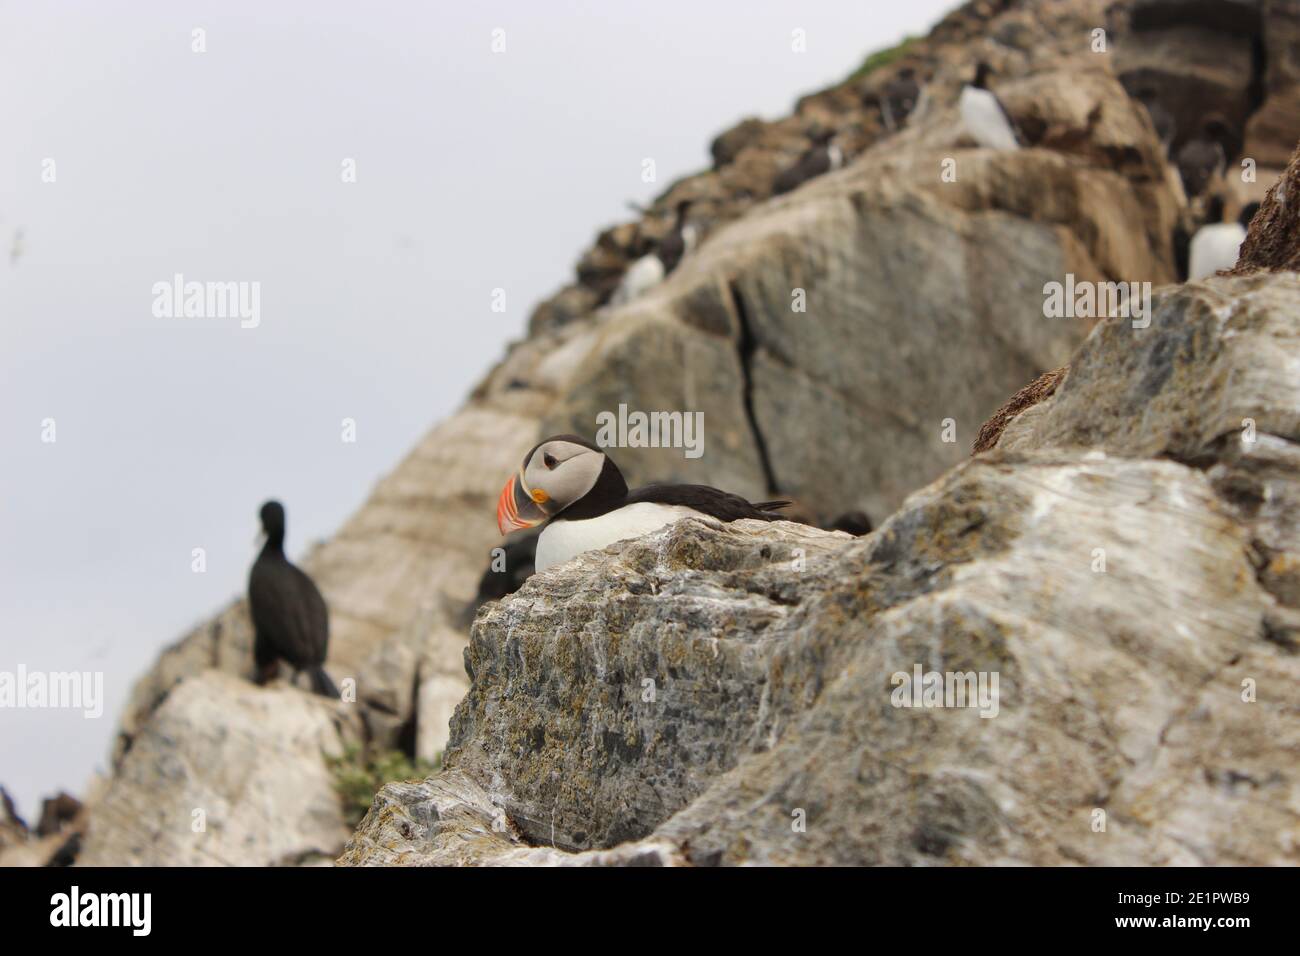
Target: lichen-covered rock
(451,820)
(1212,382)
(1114,600)
(1273,242)
(1218,356)
(1124,564)
(647,687)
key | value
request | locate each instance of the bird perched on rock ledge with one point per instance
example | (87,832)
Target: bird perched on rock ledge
(578,490)
(290,620)
(1216,245)
(984,117)
(822,157)
(652,268)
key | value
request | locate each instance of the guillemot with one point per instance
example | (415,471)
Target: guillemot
(1161,119)
(1202,159)
(651,269)
(576,488)
(290,620)
(821,157)
(982,113)
(1216,246)
(899,100)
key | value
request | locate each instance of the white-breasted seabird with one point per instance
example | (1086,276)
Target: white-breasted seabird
(650,269)
(984,116)
(820,158)
(1203,158)
(900,98)
(579,492)
(1217,245)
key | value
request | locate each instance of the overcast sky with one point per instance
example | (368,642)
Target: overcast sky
(474,170)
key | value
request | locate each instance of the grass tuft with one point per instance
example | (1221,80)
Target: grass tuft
(358,775)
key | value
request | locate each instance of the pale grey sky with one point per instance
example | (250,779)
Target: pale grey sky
(474,171)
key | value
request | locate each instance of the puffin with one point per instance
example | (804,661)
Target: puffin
(899,99)
(821,157)
(1216,246)
(577,490)
(982,113)
(650,269)
(290,620)
(1202,159)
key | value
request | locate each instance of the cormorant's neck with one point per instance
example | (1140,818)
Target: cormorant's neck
(274,545)
(608,493)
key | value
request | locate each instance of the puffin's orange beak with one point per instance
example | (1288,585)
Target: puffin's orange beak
(517,509)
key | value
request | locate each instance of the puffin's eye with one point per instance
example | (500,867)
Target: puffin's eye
(549,460)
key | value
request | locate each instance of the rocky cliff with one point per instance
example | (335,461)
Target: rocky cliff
(723,694)
(1126,568)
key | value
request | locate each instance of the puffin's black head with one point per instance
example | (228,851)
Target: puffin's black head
(982,73)
(554,475)
(272,515)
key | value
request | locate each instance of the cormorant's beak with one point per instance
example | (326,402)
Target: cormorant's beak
(518,508)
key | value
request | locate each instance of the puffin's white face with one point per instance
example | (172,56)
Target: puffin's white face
(554,475)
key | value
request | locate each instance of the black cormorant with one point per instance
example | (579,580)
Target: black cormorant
(290,620)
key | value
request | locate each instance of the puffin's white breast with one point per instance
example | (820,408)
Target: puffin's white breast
(1213,248)
(561,540)
(982,115)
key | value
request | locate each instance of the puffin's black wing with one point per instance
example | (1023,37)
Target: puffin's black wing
(722,505)
(288,612)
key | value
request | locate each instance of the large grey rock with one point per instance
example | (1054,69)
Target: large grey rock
(637,671)
(450,820)
(795,315)
(1123,562)
(1212,382)
(226,774)
(1217,354)
(773,737)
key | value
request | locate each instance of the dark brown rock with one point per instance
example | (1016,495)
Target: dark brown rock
(1036,391)
(1273,242)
